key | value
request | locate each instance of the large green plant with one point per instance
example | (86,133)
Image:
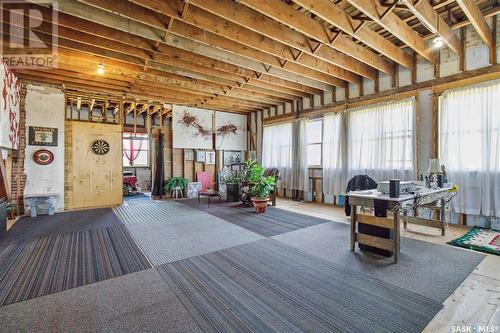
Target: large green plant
(174,182)
(261,186)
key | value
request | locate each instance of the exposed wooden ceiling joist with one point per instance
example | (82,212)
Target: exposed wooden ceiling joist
(477,19)
(392,23)
(434,22)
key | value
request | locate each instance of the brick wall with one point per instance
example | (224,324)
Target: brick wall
(18,175)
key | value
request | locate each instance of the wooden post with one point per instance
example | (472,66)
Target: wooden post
(396,236)
(461,55)
(493,48)
(414,69)
(353,227)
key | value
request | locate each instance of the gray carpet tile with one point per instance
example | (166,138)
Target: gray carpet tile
(48,264)
(431,270)
(274,222)
(137,302)
(268,286)
(31,227)
(187,236)
(148,211)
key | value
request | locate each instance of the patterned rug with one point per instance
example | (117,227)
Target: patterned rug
(480,239)
(274,222)
(266,286)
(49,264)
(153,211)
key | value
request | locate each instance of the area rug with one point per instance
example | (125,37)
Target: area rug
(266,286)
(479,239)
(273,222)
(60,223)
(48,264)
(428,269)
(153,211)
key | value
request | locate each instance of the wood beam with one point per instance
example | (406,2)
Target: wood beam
(392,23)
(281,12)
(120,22)
(477,19)
(240,22)
(339,18)
(434,22)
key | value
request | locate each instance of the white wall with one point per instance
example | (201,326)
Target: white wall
(45,107)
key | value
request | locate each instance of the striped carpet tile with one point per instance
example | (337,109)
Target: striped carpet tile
(268,286)
(274,222)
(49,264)
(187,237)
(153,211)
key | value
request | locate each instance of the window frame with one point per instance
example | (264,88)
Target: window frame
(320,143)
(133,136)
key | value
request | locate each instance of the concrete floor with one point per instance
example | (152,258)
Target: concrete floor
(475,302)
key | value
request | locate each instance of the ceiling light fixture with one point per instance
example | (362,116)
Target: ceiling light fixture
(438,42)
(100,69)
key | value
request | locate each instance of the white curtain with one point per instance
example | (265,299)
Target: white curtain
(277,151)
(469,146)
(299,179)
(381,141)
(334,149)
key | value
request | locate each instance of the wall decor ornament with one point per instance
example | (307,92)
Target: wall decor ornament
(100,147)
(200,156)
(210,157)
(230,131)
(192,127)
(42,136)
(43,157)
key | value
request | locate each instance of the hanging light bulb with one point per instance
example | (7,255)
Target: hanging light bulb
(100,69)
(438,42)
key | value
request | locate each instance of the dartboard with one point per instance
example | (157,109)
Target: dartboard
(100,147)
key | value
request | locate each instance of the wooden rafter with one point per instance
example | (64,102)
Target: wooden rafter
(434,22)
(335,15)
(392,23)
(477,19)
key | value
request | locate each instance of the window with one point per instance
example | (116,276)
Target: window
(314,134)
(135,150)
(277,150)
(469,147)
(380,140)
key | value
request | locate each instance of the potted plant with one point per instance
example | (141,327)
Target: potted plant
(231,178)
(175,183)
(4,205)
(261,187)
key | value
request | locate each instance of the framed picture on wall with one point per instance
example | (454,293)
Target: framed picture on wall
(42,136)
(200,156)
(210,157)
(232,157)
(188,155)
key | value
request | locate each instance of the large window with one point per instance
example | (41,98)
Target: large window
(381,141)
(469,146)
(314,133)
(135,150)
(277,149)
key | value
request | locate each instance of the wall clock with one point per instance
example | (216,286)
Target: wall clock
(100,147)
(43,157)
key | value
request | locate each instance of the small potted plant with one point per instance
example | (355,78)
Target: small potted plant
(231,179)
(4,205)
(175,184)
(261,188)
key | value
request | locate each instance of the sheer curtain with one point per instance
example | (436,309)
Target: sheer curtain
(334,159)
(469,146)
(277,151)
(381,142)
(299,179)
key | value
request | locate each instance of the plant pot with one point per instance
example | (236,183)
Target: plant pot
(233,192)
(260,204)
(3,219)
